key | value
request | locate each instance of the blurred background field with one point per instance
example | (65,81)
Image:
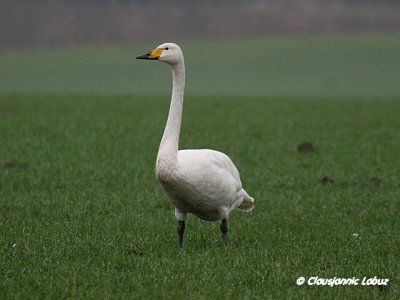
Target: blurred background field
(366,65)
(273,48)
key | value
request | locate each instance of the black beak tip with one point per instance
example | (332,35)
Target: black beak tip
(145,56)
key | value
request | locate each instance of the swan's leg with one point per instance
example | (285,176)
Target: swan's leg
(224,230)
(181,231)
(181,225)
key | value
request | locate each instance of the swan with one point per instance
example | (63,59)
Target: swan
(203,182)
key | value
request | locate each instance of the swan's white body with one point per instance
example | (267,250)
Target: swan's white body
(203,182)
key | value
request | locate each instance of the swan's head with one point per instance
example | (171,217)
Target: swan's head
(169,53)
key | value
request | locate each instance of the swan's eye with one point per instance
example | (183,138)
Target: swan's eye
(166,48)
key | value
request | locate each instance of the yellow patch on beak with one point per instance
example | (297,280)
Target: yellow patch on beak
(156,53)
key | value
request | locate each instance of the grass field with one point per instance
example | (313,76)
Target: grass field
(82,215)
(86,218)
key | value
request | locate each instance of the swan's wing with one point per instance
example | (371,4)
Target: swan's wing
(209,158)
(210,178)
(206,161)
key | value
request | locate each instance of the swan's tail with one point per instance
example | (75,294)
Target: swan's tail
(247,202)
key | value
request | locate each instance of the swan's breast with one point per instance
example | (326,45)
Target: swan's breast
(165,172)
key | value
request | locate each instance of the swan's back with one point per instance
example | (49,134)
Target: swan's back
(207,158)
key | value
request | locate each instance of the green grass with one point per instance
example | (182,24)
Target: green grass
(353,65)
(87,219)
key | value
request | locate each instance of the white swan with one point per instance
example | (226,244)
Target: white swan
(203,182)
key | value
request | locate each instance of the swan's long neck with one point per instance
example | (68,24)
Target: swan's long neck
(168,150)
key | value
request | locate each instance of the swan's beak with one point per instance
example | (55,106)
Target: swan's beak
(154,55)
